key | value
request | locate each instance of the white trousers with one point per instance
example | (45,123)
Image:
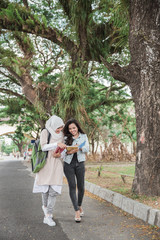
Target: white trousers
(49,199)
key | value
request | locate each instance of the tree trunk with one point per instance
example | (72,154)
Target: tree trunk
(134,147)
(93,145)
(147,175)
(143,77)
(145,88)
(20,148)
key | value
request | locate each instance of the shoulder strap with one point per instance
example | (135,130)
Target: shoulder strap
(49,136)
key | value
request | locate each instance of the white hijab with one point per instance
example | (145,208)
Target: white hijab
(52,124)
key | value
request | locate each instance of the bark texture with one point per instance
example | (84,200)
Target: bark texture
(143,77)
(145,87)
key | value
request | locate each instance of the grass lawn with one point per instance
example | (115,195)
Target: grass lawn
(110,178)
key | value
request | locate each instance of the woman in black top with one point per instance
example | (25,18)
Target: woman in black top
(74,167)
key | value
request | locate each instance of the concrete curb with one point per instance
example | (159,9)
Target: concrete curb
(139,210)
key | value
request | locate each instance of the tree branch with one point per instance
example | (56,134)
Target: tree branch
(25,44)
(107,102)
(117,72)
(10,77)
(25,2)
(66,7)
(14,74)
(27,22)
(10,92)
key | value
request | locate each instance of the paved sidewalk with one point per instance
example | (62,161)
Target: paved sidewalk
(21,216)
(102,221)
(137,209)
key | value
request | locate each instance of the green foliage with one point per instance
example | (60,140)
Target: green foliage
(99,170)
(25,55)
(30,22)
(15,12)
(14,107)
(51,80)
(44,20)
(6,56)
(24,42)
(19,112)
(19,16)
(108,115)
(120,19)
(99,26)
(73,86)
(18,133)
(5,148)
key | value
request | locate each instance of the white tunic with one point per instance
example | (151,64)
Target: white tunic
(44,188)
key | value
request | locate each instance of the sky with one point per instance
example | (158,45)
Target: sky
(5,129)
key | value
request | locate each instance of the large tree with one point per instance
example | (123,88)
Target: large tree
(142,75)
(91,39)
(79,41)
(25,70)
(144,83)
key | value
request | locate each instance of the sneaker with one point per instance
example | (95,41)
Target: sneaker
(49,221)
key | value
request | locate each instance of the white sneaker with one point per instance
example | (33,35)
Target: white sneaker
(49,221)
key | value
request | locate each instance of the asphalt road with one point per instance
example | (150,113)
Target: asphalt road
(21,217)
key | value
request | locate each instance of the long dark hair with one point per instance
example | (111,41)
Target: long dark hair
(66,132)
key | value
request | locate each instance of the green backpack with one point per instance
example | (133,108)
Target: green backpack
(38,158)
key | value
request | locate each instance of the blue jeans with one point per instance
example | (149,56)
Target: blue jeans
(75,172)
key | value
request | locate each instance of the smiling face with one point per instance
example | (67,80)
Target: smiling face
(73,129)
(58,130)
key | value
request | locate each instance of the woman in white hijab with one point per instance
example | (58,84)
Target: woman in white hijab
(49,179)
